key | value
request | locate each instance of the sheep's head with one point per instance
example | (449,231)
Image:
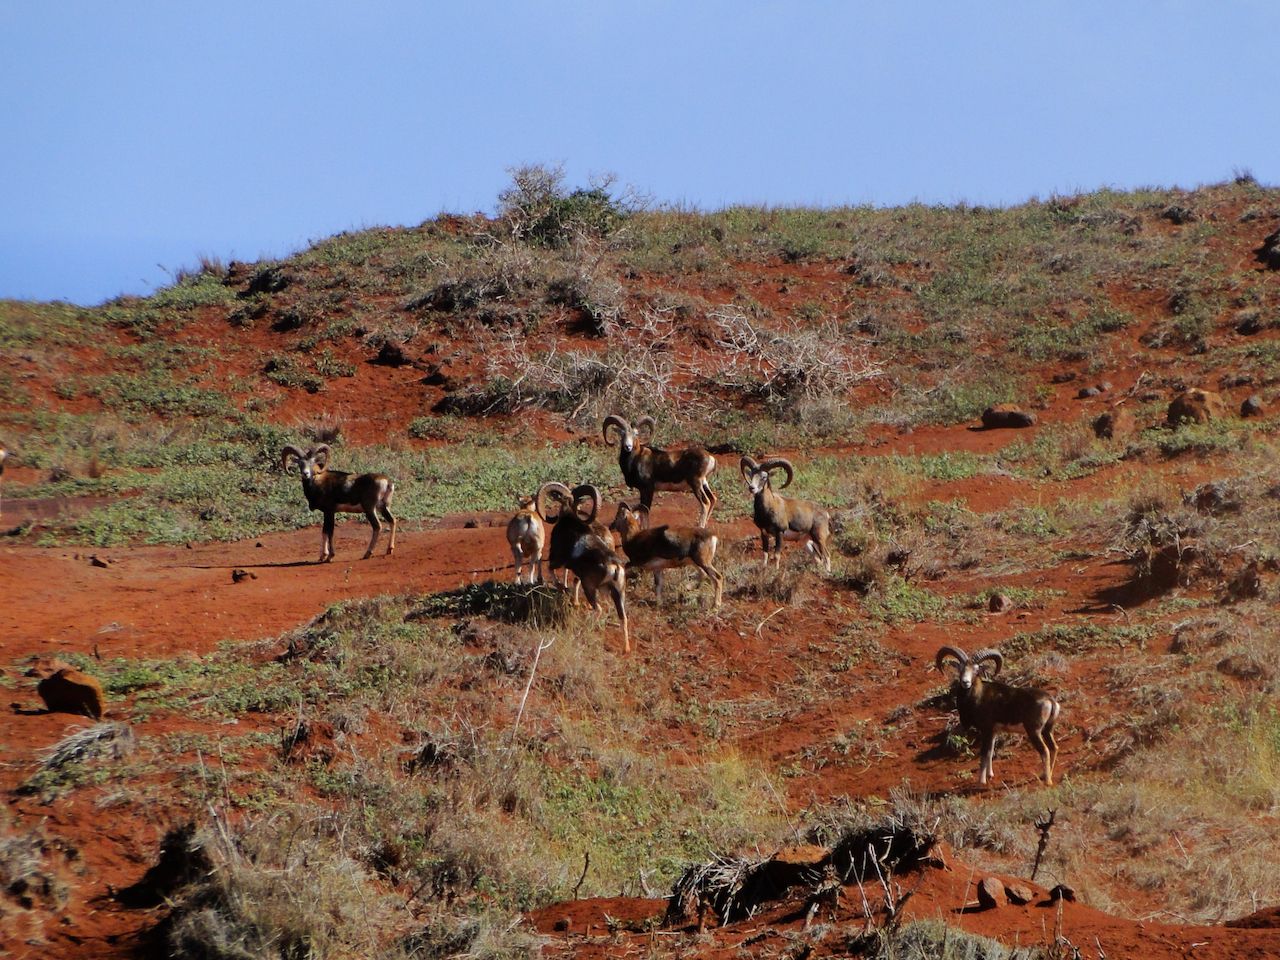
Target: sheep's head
(627,436)
(311,464)
(628,521)
(756,475)
(985,664)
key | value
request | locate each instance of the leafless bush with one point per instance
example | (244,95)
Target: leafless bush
(597,295)
(637,370)
(791,363)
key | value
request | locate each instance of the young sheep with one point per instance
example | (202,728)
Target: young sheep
(647,468)
(985,703)
(526,534)
(661,548)
(586,548)
(335,491)
(780,517)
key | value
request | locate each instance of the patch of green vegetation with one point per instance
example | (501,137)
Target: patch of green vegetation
(288,370)
(1046,339)
(158,394)
(895,600)
(24,324)
(1079,638)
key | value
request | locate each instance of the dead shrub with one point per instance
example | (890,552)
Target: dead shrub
(792,363)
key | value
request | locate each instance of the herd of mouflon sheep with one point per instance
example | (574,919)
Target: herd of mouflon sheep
(582,545)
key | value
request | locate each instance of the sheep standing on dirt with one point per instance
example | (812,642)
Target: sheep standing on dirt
(335,491)
(985,703)
(526,534)
(662,548)
(586,548)
(780,517)
(647,468)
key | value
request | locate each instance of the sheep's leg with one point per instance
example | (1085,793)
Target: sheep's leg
(536,568)
(372,517)
(717,580)
(764,546)
(1052,743)
(326,538)
(1037,742)
(391,522)
(618,587)
(711,502)
(517,560)
(657,585)
(646,501)
(777,549)
(988,752)
(617,584)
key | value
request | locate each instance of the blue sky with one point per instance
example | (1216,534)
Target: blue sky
(140,136)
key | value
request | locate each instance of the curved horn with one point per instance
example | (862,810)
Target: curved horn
(746,464)
(587,490)
(290,451)
(320,454)
(950,653)
(646,422)
(551,486)
(989,656)
(613,420)
(778,463)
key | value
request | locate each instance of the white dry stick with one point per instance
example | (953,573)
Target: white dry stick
(537,655)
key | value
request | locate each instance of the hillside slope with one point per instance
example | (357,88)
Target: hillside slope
(405,755)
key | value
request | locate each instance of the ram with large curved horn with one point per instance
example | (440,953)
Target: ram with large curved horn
(585,547)
(985,704)
(648,469)
(780,517)
(336,491)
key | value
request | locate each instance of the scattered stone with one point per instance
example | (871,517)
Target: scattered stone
(1243,667)
(1230,380)
(258,544)
(392,355)
(1269,253)
(1246,584)
(1250,323)
(1018,894)
(436,377)
(1178,215)
(1065,376)
(1006,416)
(1252,406)
(1195,406)
(898,557)
(1114,423)
(65,689)
(268,280)
(1062,892)
(999,603)
(97,561)
(991,894)
(1085,393)
(471,524)
(237,575)
(561,925)
(1105,386)
(1215,498)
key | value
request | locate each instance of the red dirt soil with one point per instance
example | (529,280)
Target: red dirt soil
(163,602)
